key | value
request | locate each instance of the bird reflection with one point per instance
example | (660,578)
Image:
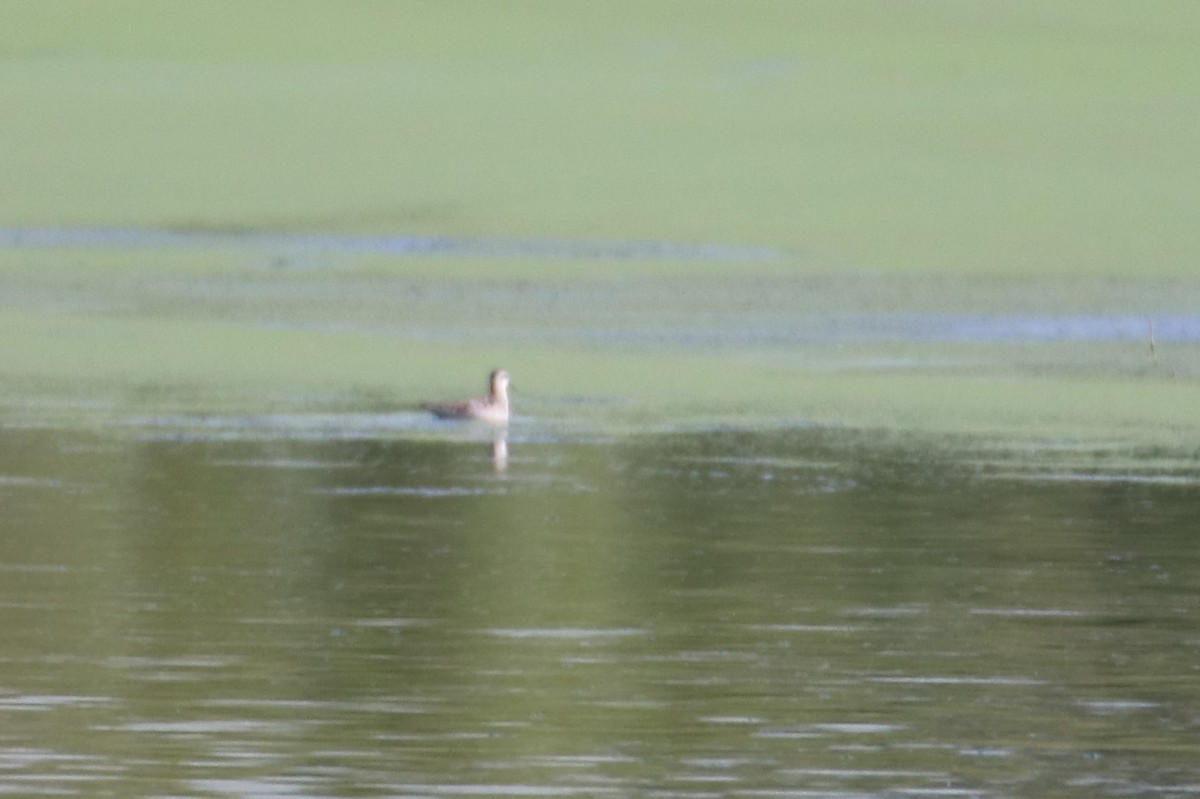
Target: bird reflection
(500,449)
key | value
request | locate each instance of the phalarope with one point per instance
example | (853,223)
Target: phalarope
(492,408)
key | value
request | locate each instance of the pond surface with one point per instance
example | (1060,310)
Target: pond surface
(797,613)
(233,565)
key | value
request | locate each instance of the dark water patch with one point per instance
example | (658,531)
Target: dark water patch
(308,243)
(213,616)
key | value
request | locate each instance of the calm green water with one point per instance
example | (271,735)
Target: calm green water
(261,611)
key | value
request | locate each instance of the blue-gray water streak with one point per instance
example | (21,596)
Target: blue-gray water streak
(281,242)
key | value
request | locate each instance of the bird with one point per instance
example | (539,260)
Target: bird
(492,408)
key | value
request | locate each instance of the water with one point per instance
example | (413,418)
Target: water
(282,244)
(1127,316)
(254,612)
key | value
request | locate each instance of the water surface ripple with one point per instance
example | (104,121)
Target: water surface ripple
(796,614)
